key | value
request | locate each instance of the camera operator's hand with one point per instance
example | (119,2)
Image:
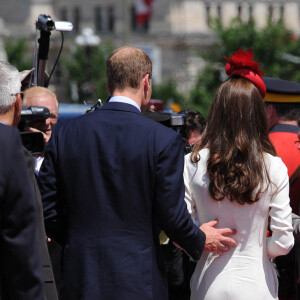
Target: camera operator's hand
(44,129)
(216,238)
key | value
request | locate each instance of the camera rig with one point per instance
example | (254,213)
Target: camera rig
(34,141)
(45,24)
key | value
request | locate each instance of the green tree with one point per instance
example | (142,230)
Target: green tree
(200,97)
(18,53)
(274,47)
(270,45)
(85,67)
(168,92)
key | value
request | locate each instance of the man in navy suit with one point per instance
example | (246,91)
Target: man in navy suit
(20,262)
(110,181)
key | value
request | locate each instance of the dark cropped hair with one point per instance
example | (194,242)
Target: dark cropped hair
(289,111)
(193,121)
(125,67)
(237,137)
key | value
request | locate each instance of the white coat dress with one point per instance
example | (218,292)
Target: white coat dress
(244,272)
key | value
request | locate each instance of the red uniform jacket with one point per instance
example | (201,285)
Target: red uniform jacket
(283,138)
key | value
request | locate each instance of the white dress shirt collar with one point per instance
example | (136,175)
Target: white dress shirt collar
(124,99)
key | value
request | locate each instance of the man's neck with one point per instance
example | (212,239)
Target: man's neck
(288,122)
(6,119)
(130,94)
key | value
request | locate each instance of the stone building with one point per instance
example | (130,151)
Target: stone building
(176,27)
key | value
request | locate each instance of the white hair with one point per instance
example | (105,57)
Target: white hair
(10,85)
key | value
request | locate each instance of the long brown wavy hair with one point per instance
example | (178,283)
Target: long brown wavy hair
(237,137)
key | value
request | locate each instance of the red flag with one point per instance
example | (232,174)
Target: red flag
(143,10)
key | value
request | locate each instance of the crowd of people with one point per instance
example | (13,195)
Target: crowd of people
(114,208)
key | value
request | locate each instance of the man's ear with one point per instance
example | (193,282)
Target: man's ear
(147,82)
(17,104)
(271,112)
(272,116)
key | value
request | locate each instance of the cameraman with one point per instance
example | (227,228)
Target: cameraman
(41,96)
(193,127)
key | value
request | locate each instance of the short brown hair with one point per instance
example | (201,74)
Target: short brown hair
(125,67)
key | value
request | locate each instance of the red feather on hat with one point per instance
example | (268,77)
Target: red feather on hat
(242,64)
(242,60)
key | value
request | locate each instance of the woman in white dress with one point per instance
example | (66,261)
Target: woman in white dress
(234,176)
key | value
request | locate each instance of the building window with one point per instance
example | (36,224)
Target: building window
(270,10)
(250,12)
(76,22)
(98,19)
(133,18)
(239,11)
(111,19)
(281,12)
(219,12)
(63,14)
(104,19)
(207,8)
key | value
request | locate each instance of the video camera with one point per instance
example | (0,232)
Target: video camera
(174,121)
(177,122)
(46,23)
(33,141)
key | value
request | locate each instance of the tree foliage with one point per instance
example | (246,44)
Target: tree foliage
(18,53)
(274,47)
(167,92)
(271,45)
(86,68)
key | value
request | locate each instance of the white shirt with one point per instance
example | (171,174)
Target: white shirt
(124,99)
(37,164)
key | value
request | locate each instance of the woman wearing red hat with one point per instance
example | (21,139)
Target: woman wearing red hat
(234,176)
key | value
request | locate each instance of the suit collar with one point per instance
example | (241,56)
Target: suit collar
(120,106)
(124,99)
(284,128)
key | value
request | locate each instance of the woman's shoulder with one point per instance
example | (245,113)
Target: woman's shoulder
(202,155)
(274,161)
(275,165)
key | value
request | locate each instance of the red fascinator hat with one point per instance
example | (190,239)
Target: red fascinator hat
(241,64)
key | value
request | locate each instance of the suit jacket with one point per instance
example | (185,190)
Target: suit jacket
(111,179)
(49,283)
(20,262)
